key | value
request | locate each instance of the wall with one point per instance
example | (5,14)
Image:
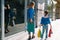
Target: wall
(40,12)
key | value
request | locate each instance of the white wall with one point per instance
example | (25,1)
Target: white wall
(40,12)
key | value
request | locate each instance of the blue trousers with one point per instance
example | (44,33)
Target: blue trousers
(45,28)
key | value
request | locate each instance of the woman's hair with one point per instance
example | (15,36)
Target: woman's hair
(45,12)
(32,4)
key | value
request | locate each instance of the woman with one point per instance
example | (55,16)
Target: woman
(44,22)
(7,11)
(30,17)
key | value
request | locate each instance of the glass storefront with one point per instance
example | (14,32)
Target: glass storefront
(19,5)
(19,22)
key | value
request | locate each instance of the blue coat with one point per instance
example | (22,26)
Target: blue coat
(45,21)
(30,15)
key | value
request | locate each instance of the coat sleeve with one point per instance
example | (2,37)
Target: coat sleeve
(49,21)
(41,21)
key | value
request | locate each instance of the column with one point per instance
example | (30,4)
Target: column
(36,6)
(46,1)
(54,12)
(2,19)
(54,7)
(25,13)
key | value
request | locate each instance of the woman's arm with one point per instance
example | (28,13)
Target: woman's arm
(50,26)
(49,23)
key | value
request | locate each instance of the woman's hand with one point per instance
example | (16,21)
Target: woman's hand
(40,25)
(31,20)
(50,26)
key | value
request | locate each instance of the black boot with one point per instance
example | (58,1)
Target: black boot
(33,36)
(6,32)
(29,38)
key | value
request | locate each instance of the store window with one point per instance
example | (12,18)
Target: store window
(17,25)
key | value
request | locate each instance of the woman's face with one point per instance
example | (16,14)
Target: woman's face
(45,14)
(33,6)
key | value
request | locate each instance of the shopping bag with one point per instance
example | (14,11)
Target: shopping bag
(39,33)
(50,32)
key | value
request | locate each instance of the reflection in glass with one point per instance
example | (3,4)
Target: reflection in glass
(15,23)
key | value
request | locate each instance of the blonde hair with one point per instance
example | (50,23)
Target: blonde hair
(32,4)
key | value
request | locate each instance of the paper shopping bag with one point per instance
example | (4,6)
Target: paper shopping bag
(50,32)
(39,33)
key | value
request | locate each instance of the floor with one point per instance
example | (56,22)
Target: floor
(15,29)
(24,35)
